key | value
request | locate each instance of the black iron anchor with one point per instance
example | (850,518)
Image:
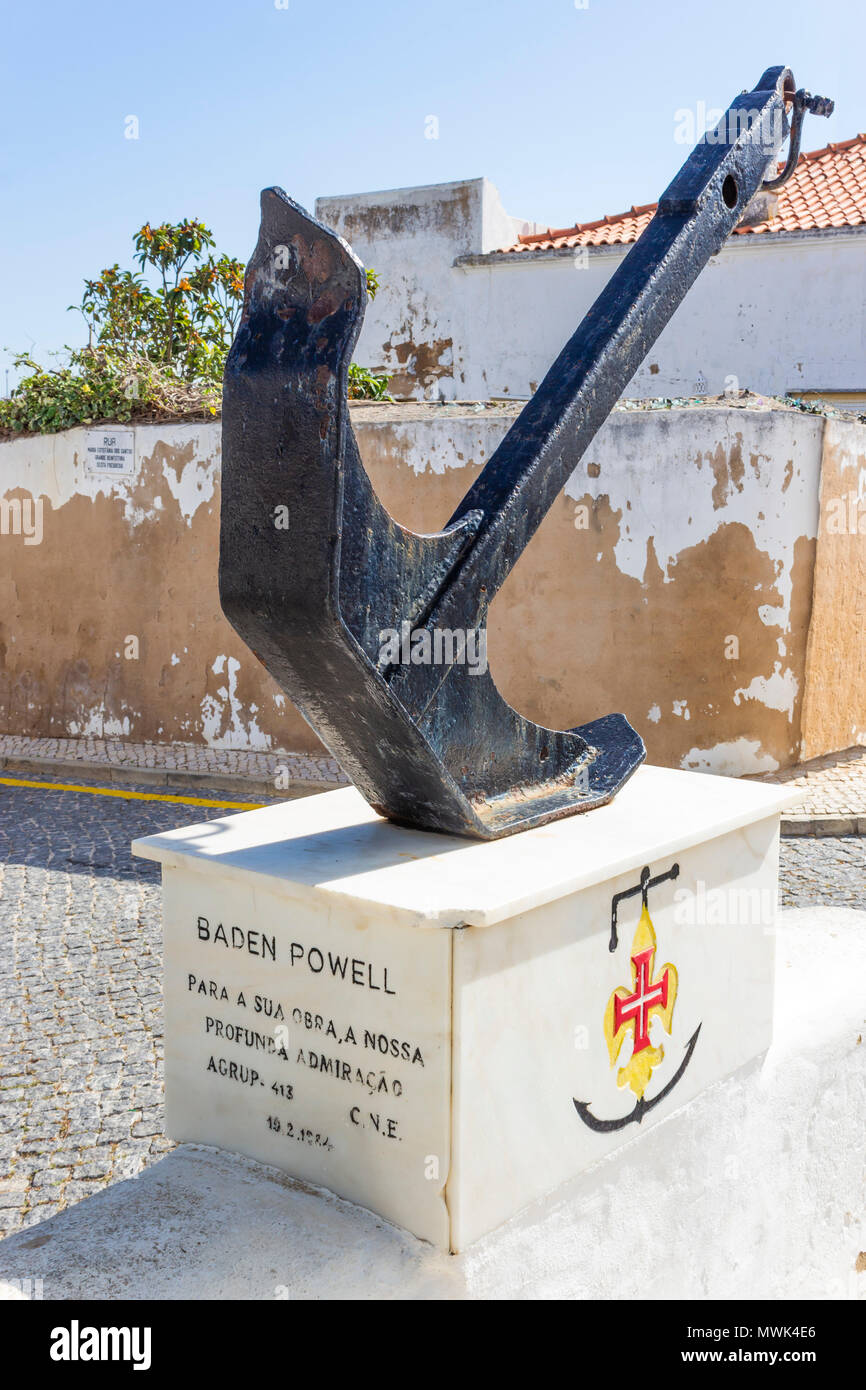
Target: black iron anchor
(432,743)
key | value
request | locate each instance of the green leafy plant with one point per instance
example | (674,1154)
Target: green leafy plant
(187,321)
(100,384)
(365,385)
(158,340)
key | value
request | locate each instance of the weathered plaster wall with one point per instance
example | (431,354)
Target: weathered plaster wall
(834,710)
(672,580)
(127,558)
(415,329)
(454,319)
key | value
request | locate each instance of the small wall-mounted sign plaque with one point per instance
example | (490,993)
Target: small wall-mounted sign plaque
(110,450)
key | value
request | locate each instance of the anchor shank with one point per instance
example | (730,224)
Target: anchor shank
(700,208)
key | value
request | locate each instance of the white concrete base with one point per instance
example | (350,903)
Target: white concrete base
(752,1191)
(438,1028)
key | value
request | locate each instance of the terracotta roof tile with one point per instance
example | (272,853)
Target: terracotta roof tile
(827,189)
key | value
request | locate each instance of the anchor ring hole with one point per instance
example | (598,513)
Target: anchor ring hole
(730,191)
(543,753)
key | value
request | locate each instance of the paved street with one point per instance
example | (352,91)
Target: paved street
(80,995)
(823,872)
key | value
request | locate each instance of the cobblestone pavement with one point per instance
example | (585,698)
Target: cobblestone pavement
(823,872)
(828,793)
(80,988)
(833,786)
(118,756)
(80,995)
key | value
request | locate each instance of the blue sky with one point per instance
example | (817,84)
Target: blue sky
(571,113)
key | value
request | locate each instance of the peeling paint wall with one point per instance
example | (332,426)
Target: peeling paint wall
(673,580)
(111,626)
(773,313)
(415,329)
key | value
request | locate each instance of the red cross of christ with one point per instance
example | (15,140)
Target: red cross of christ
(646,996)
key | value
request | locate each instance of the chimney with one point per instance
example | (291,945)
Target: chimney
(762,208)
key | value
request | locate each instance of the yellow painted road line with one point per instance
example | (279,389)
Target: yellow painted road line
(133,796)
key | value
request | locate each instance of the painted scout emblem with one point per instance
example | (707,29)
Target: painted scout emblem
(631,1011)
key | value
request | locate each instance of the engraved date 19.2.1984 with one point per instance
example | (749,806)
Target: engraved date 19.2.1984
(302,1136)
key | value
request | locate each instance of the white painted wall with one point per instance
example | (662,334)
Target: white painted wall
(411,237)
(775,313)
(778,312)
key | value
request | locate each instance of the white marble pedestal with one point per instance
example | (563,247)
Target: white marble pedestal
(437,1028)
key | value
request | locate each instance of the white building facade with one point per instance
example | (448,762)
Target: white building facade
(475,304)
